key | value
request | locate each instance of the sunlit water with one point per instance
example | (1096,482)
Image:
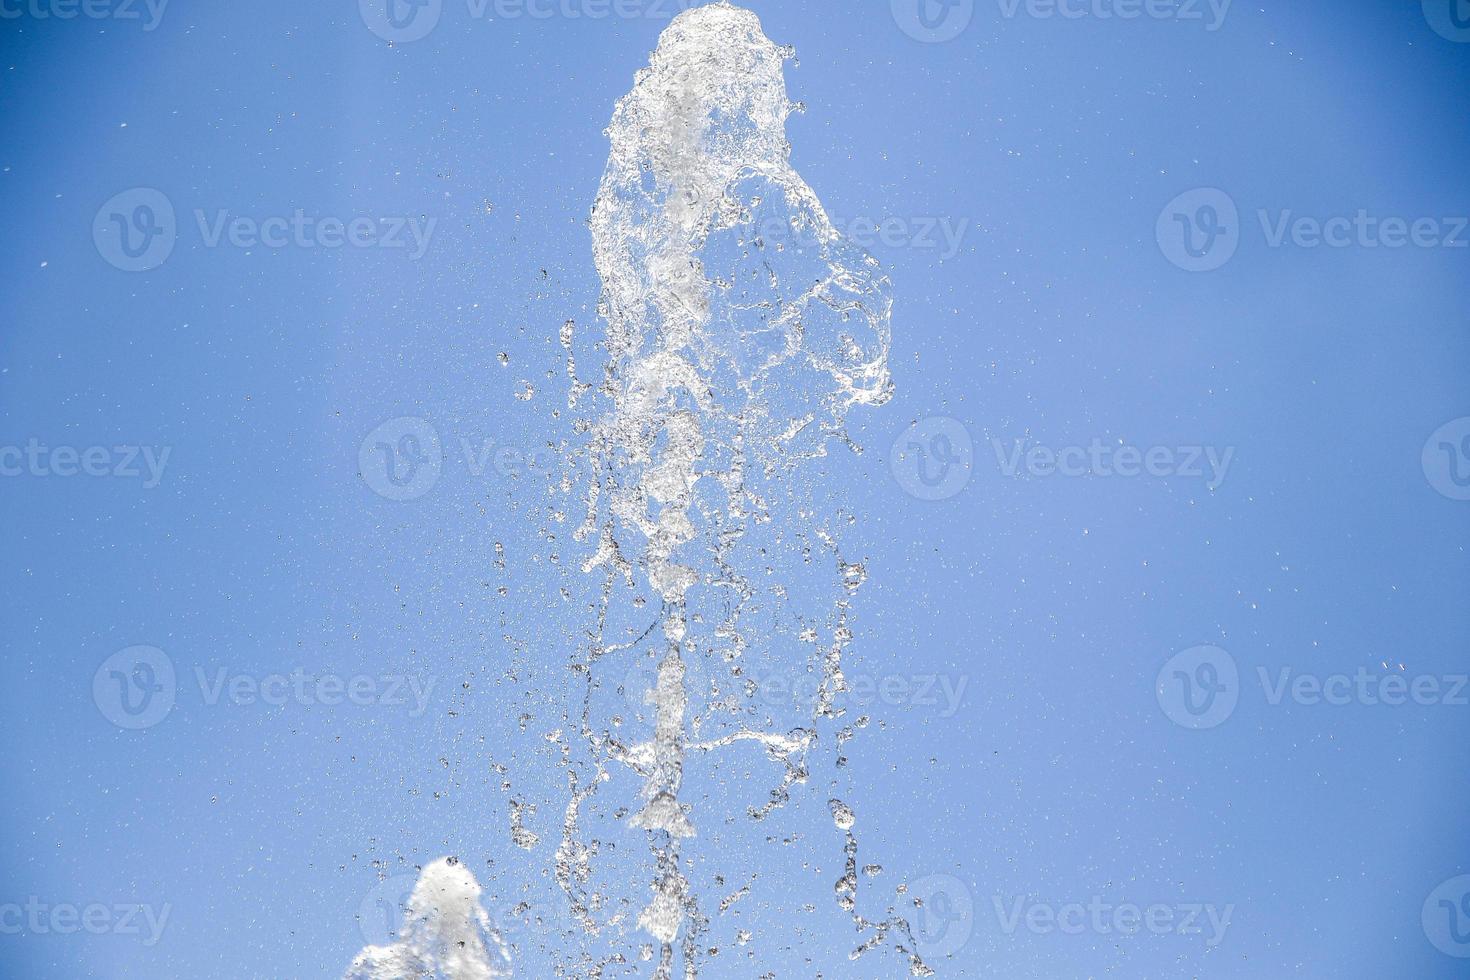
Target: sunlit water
(741,330)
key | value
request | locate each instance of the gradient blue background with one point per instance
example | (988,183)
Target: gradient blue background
(1057,599)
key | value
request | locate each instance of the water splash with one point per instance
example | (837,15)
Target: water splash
(445,933)
(741,330)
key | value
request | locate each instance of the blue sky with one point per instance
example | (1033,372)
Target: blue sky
(1286,385)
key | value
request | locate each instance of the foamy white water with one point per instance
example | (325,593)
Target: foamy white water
(741,331)
(446,934)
